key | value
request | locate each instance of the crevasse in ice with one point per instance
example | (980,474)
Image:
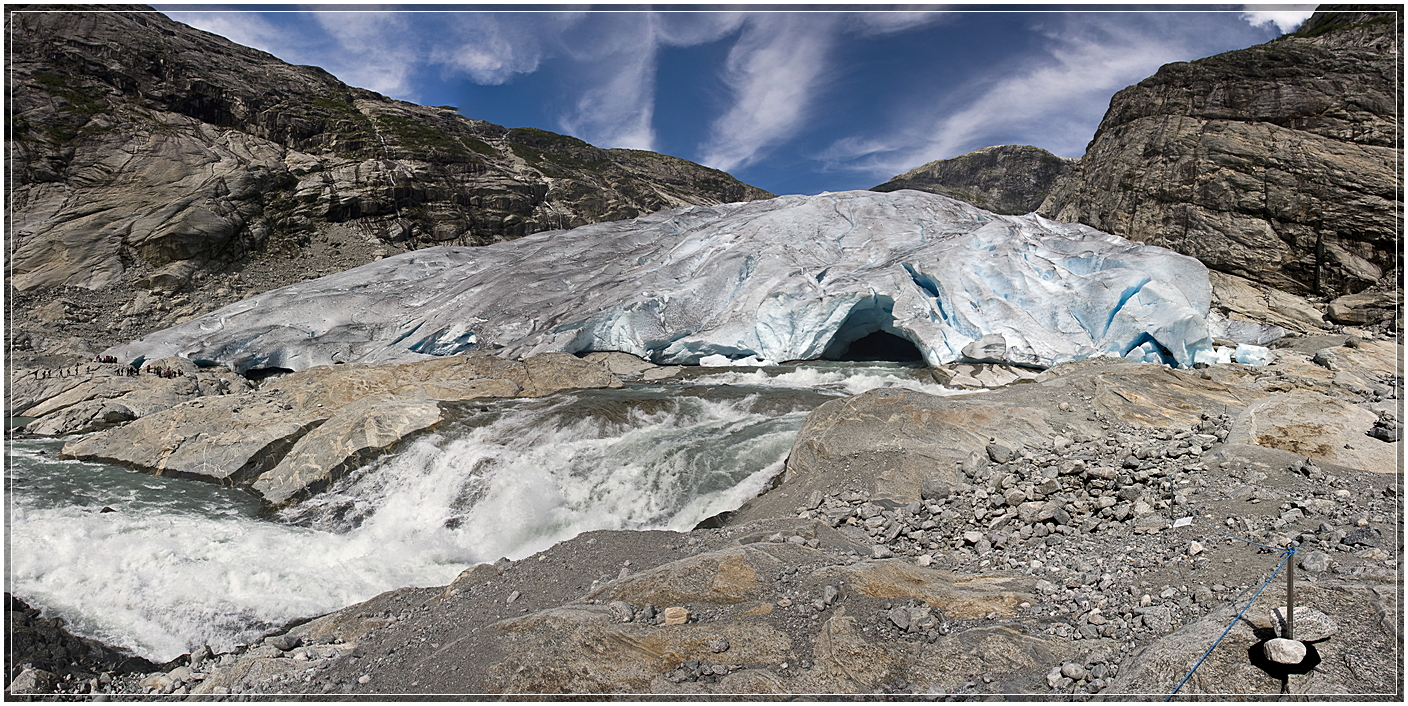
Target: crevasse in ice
(795,277)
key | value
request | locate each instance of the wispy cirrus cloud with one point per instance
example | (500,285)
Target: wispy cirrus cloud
(1053,100)
(779,67)
(493,48)
(773,70)
(375,50)
(617,58)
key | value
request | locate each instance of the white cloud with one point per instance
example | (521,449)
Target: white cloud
(773,71)
(1053,101)
(491,49)
(1285,20)
(617,56)
(241,28)
(879,23)
(376,50)
(618,111)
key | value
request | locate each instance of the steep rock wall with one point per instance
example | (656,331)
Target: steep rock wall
(1278,163)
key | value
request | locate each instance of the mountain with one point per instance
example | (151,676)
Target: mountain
(1007,179)
(790,278)
(1279,163)
(147,156)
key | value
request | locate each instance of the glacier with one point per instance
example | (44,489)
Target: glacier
(791,278)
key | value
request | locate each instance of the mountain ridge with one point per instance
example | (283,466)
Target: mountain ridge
(1008,179)
(148,156)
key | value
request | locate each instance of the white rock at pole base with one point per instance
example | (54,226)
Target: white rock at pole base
(1283,651)
(795,277)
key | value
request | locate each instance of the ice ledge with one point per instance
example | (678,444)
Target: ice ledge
(796,277)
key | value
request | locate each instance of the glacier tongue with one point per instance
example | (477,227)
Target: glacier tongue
(796,277)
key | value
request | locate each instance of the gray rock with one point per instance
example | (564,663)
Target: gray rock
(999,453)
(1014,497)
(935,489)
(284,643)
(1311,624)
(1315,561)
(621,611)
(1365,308)
(1283,651)
(718,645)
(33,681)
(1073,671)
(1364,536)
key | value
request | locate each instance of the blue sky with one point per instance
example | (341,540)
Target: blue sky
(799,100)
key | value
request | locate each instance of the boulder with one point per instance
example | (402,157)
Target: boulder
(1365,308)
(32,682)
(1311,625)
(1316,426)
(235,439)
(1283,651)
(354,435)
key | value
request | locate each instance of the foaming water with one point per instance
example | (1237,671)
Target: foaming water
(838,378)
(178,563)
(175,564)
(521,476)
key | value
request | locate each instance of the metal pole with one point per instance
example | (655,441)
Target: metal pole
(1291,595)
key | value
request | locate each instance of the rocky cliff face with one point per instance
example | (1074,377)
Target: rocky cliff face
(1278,163)
(147,155)
(1008,179)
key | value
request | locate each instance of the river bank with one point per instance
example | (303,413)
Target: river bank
(1024,538)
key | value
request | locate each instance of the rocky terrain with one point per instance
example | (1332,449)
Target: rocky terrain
(1278,163)
(1007,179)
(161,172)
(1084,531)
(907,532)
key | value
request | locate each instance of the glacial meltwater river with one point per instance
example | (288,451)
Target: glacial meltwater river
(160,566)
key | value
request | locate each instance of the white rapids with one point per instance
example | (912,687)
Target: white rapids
(176,564)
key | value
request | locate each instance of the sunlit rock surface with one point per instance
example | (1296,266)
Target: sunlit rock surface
(796,277)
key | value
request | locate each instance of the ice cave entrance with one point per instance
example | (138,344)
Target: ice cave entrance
(259,374)
(881,346)
(868,334)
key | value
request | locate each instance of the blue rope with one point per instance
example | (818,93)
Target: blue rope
(1285,557)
